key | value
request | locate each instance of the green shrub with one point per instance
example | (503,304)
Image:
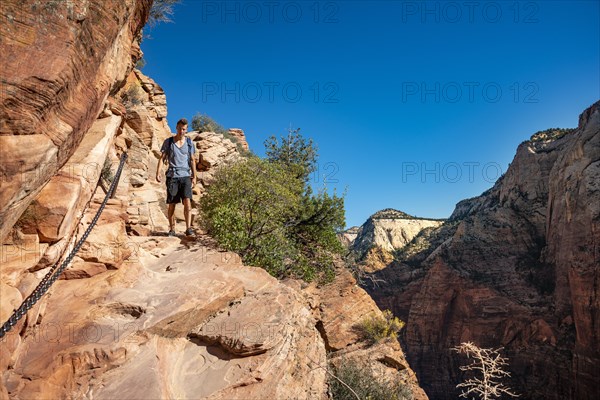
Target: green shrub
(204,123)
(262,210)
(375,328)
(245,209)
(141,63)
(550,134)
(363,383)
(314,229)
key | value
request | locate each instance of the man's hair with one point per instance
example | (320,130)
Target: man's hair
(181,122)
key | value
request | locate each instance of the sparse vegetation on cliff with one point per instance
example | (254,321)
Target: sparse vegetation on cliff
(265,210)
(204,123)
(390,213)
(375,328)
(550,135)
(141,63)
(161,11)
(352,381)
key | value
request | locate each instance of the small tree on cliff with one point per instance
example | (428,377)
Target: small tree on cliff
(265,210)
(296,153)
(489,367)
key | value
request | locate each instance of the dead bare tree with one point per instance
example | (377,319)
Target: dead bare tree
(491,369)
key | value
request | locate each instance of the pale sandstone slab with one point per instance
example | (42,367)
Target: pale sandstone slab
(11,300)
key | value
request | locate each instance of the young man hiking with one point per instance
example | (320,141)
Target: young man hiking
(179,151)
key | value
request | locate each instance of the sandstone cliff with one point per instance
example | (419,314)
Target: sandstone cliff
(385,232)
(348,236)
(515,267)
(177,317)
(390,230)
(60,61)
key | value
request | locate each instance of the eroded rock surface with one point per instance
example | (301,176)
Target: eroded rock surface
(137,314)
(240,137)
(192,324)
(214,151)
(142,314)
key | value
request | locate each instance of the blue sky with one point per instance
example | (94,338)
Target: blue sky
(413,105)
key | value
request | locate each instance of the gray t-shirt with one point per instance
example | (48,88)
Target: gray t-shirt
(179,166)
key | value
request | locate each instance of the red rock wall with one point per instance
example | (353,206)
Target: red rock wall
(60,60)
(573,235)
(521,271)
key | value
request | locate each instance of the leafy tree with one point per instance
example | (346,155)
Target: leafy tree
(245,209)
(265,210)
(314,230)
(490,368)
(295,152)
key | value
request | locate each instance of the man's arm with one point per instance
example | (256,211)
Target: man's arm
(193,166)
(160,161)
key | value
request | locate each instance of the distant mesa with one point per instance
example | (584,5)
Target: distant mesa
(384,232)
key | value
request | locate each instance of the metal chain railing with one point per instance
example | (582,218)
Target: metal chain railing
(56,271)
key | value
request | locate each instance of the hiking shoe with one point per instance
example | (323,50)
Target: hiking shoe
(171,232)
(189,232)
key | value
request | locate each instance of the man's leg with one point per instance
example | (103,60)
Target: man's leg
(187,205)
(171,215)
(171,201)
(187,212)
